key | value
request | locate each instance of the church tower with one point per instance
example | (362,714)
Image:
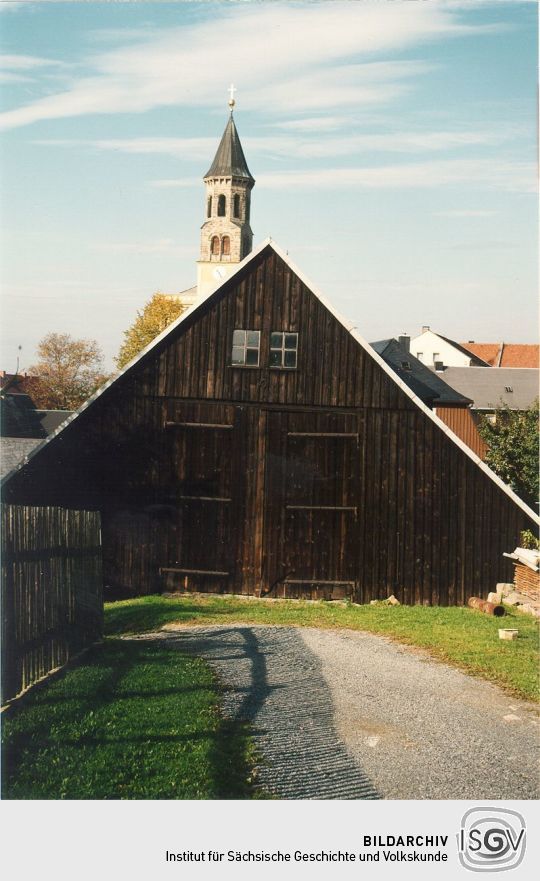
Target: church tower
(226,236)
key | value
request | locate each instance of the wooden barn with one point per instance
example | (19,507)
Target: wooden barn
(259,446)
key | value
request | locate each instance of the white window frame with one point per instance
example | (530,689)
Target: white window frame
(241,344)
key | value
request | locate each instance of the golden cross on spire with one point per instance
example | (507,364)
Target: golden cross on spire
(231,91)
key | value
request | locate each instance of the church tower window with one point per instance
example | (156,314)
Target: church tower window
(236,205)
(215,246)
(226,246)
(209,207)
(221,205)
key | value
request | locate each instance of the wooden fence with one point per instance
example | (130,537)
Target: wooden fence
(51,590)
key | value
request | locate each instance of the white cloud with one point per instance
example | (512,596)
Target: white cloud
(464,212)
(314,124)
(295,145)
(159,246)
(480,173)
(284,49)
(26,62)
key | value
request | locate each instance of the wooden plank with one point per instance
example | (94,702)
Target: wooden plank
(211,572)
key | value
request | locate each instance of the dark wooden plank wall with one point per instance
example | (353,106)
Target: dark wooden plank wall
(51,590)
(430,525)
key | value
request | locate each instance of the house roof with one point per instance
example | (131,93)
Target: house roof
(477,359)
(13,451)
(229,160)
(488,389)
(19,418)
(506,354)
(348,325)
(429,386)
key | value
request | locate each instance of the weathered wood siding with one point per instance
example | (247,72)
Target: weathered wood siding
(51,590)
(326,480)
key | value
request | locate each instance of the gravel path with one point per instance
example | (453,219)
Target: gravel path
(347,715)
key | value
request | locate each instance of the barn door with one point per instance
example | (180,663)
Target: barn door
(201,550)
(311,521)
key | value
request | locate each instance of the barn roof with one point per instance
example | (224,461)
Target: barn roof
(348,325)
(229,160)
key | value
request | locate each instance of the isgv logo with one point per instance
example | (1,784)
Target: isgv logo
(491,840)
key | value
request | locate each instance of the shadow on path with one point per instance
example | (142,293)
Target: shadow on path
(275,682)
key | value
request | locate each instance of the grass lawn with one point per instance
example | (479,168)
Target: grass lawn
(135,720)
(460,636)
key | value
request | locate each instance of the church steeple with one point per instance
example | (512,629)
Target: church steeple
(226,236)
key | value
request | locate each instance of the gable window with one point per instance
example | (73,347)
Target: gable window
(236,204)
(209,207)
(245,348)
(221,206)
(215,245)
(283,349)
(226,246)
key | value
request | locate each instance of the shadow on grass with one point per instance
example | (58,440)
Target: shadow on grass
(107,729)
(154,613)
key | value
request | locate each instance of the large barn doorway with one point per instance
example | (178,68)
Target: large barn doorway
(312,494)
(201,549)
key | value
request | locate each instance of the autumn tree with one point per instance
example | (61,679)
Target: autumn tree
(151,320)
(512,441)
(67,372)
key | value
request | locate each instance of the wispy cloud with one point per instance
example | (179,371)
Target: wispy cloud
(26,62)
(480,173)
(159,246)
(294,144)
(178,67)
(464,212)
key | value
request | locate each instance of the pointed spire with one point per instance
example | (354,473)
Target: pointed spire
(229,160)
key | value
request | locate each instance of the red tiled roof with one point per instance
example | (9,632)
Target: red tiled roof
(512,355)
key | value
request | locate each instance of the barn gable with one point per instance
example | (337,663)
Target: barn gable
(325,478)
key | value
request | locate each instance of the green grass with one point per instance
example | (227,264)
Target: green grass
(460,636)
(135,720)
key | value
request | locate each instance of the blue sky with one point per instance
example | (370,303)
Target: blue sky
(393,144)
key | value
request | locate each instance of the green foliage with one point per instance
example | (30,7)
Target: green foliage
(134,721)
(67,373)
(513,449)
(528,540)
(459,636)
(155,316)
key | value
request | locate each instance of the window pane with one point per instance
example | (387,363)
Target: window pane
(290,359)
(275,358)
(239,338)
(252,357)
(238,355)
(291,340)
(276,340)
(253,338)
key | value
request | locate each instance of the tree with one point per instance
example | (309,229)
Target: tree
(67,372)
(155,316)
(513,449)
